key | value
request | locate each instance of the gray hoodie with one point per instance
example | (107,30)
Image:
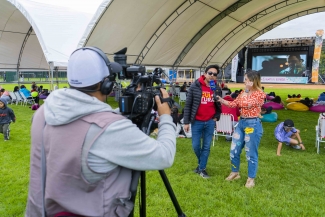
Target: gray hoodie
(132,148)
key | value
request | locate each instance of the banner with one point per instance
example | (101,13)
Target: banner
(234,65)
(317,53)
(285,80)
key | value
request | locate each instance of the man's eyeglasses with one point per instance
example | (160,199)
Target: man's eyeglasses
(211,73)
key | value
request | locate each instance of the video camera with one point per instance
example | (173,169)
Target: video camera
(138,98)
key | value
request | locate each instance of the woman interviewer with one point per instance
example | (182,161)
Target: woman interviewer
(249,130)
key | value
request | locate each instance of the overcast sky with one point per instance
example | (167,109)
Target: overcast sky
(305,26)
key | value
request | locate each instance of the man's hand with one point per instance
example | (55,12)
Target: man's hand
(162,108)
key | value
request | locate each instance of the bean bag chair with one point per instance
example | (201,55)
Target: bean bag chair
(35,106)
(272,117)
(268,97)
(317,108)
(34,94)
(274,105)
(42,96)
(293,99)
(297,106)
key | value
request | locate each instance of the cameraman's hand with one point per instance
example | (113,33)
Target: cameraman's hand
(162,108)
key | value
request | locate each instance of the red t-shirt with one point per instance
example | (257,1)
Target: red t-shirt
(206,109)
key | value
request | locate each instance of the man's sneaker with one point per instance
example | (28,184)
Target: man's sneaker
(204,174)
(296,146)
(196,169)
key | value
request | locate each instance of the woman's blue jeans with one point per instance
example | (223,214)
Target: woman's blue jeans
(248,133)
(204,130)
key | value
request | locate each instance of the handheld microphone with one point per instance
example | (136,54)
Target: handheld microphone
(213,86)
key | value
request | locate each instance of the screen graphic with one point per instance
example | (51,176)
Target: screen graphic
(291,64)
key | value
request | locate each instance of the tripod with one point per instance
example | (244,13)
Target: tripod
(141,175)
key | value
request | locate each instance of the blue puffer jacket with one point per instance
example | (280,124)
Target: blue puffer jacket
(25,92)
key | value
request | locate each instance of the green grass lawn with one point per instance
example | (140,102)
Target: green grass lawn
(289,185)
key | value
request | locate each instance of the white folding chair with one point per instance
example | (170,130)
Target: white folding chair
(19,98)
(13,97)
(27,100)
(177,91)
(224,127)
(182,97)
(224,93)
(320,131)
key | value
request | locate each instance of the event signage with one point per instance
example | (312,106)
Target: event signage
(317,53)
(286,80)
(234,66)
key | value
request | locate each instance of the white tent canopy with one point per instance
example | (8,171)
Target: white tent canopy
(178,33)
(34,33)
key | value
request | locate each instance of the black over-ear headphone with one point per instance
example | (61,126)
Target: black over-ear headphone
(106,86)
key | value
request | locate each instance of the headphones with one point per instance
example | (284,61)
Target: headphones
(106,86)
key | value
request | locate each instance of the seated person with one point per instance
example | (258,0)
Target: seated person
(267,110)
(27,94)
(277,99)
(5,95)
(285,132)
(16,88)
(321,97)
(183,88)
(225,87)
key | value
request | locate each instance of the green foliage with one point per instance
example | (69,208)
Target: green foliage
(289,185)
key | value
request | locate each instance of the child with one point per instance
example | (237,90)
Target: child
(6,116)
(285,132)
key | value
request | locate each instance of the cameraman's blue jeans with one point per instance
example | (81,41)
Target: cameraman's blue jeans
(204,130)
(247,134)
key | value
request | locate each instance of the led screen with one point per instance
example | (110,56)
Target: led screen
(291,64)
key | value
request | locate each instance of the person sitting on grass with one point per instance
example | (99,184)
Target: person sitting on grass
(286,133)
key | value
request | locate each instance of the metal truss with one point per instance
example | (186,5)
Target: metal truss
(232,8)
(22,50)
(270,27)
(161,29)
(246,23)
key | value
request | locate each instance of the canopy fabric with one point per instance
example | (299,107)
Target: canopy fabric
(56,32)
(188,33)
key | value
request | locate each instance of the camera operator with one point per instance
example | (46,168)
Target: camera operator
(90,149)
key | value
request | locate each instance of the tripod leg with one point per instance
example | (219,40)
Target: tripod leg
(171,193)
(143,195)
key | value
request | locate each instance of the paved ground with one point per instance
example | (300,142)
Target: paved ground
(292,86)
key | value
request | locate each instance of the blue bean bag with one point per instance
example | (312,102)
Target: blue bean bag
(272,117)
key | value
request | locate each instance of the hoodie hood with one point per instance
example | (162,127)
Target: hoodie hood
(66,105)
(4,101)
